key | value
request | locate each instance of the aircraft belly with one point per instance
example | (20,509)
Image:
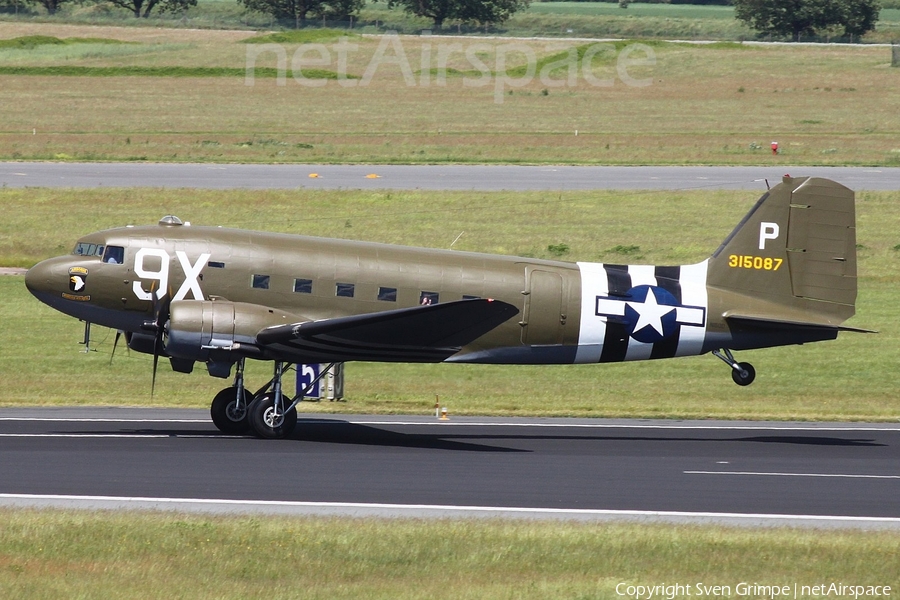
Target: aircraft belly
(519,355)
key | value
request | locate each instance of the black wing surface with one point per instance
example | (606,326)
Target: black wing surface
(429,333)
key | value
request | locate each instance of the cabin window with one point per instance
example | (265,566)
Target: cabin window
(468,297)
(303,286)
(114,255)
(344,290)
(426,298)
(216,264)
(261,282)
(387,294)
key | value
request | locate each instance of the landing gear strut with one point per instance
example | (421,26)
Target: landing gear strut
(269,417)
(268,412)
(229,407)
(742,373)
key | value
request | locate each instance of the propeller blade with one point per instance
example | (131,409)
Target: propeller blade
(115,343)
(155,365)
(161,315)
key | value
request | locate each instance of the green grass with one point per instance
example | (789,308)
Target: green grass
(138,71)
(852,378)
(687,11)
(29,42)
(81,555)
(302,36)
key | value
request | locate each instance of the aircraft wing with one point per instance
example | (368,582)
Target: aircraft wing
(419,334)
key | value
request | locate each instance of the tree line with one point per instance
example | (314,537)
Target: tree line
(795,18)
(782,18)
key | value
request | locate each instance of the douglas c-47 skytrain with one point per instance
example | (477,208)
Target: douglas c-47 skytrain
(785,275)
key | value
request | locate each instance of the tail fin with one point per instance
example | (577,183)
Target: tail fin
(792,259)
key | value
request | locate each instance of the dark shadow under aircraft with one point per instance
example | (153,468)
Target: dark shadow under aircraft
(785,275)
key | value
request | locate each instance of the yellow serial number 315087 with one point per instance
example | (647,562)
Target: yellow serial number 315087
(754,262)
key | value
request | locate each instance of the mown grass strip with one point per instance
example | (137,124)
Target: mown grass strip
(301,36)
(29,42)
(167,71)
(59,554)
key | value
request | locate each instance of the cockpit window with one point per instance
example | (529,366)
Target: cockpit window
(114,255)
(88,249)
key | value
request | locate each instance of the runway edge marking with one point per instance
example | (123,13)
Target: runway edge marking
(420,510)
(775,474)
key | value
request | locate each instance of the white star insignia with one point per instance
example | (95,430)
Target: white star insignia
(650,312)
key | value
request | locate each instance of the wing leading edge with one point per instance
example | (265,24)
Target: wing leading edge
(430,333)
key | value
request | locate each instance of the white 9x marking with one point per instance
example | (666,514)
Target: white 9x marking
(191,274)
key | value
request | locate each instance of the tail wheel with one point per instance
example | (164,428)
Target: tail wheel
(744,374)
(267,422)
(229,415)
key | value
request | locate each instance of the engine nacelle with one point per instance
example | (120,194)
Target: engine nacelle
(219,332)
(141,342)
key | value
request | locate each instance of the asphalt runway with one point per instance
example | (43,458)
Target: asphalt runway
(427,177)
(751,473)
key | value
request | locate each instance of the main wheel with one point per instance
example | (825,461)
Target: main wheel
(227,415)
(266,423)
(745,375)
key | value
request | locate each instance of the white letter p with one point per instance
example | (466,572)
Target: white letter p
(767,231)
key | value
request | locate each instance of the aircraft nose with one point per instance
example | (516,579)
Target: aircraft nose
(37,277)
(48,276)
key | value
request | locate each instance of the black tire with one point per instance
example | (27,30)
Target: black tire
(745,375)
(224,414)
(261,418)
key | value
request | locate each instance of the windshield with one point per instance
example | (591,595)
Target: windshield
(88,249)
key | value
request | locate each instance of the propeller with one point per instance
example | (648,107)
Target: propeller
(157,326)
(115,344)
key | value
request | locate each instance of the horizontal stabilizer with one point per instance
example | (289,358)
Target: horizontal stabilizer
(768,324)
(429,333)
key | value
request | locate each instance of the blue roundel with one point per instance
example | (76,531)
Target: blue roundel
(650,313)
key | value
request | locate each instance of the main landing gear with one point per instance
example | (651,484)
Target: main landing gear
(742,373)
(268,412)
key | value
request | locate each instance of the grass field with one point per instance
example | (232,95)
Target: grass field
(718,104)
(852,378)
(78,555)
